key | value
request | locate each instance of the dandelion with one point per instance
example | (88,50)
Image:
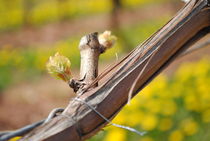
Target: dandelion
(59,66)
(107,39)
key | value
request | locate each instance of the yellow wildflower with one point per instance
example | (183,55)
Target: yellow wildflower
(147,92)
(135,118)
(189,126)
(15,139)
(168,107)
(192,102)
(149,122)
(161,82)
(153,106)
(135,103)
(165,124)
(120,119)
(116,134)
(176,135)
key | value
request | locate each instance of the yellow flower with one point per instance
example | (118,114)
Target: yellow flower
(153,106)
(184,72)
(15,139)
(165,124)
(107,39)
(176,136)
(206,116)
(192,102)
(161,82)
(168,107)
(201,68)
(120,119)
(135,118)
(135,103)
(59,66)
(204,99)
(147,92)
(116,134)
(149,122)
(189,126)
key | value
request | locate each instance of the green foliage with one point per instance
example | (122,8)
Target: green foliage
(59,67)
(169,109)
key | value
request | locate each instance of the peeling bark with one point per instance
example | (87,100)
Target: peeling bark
(78,122)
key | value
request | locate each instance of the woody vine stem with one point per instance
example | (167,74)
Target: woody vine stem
(90,46)
(90,50)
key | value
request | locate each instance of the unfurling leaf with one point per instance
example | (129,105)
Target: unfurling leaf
(107,39)
(59,66)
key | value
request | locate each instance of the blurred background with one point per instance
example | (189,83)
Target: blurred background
(174,107)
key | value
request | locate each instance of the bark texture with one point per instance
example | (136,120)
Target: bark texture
(78,122)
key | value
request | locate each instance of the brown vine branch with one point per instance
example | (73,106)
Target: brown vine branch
(90,50)
(79,122)
(91,46)
(196,47)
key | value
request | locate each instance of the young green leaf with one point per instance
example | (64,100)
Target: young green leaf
(59,67)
